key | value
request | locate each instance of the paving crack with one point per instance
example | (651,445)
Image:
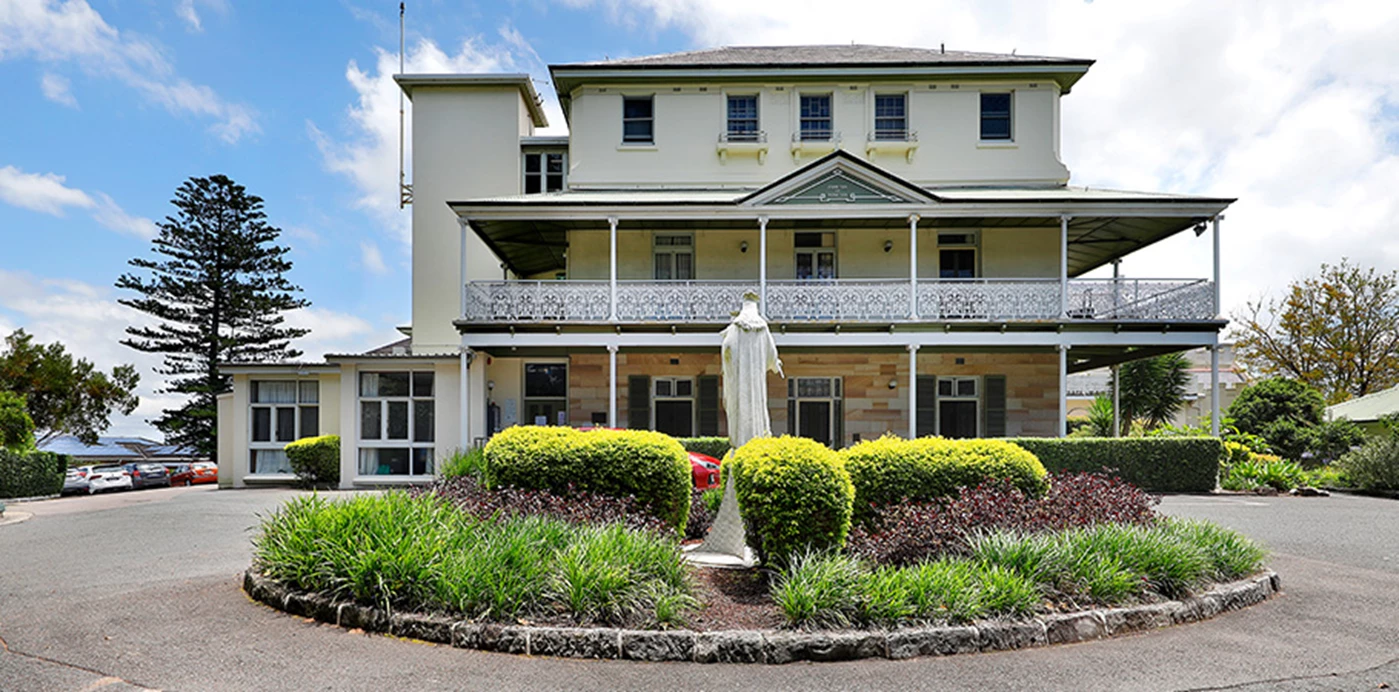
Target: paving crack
(103,680)
(1296,678)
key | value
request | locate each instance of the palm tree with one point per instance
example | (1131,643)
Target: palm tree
(1153,389)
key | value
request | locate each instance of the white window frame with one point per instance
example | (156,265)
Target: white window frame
(837,394)
(383,441)
(637,142)
(874,117)
(273,445)
(674,381)
(954,397)
(658,249)
(830,100)
(980,115)
(756,134)
(974,246)
(815,251)
(543,174)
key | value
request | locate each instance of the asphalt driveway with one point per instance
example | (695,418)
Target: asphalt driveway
(142,590)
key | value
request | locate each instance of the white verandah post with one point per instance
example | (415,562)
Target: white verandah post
(1064,267)
(612,268)
(763,265)
(913,391)
(1216,264)
(461,275)
(1116,403)
(1063,390)
(464,396)
(1214,388)
(913,266)
(612,385)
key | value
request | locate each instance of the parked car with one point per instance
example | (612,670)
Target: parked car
(147,475)
(705,470)
(108,478)
(193,474)
(75,480)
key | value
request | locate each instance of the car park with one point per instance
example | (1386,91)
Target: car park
(75,479)
(147,475)
(195,473)
(108,478)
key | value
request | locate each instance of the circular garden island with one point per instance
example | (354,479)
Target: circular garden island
(554,541)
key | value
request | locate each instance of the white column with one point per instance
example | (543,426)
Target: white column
(1063,390)
(1214,388)
(1116,402)
(913,266)
(912,391)
(763,264)
(612,385)
(612,268)
(1116,284)
(1064,266)
(464,397)
(1216,264)
(461,287)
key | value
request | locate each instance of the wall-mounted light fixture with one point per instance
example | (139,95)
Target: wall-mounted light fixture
(743,246)
(893,384)
(888,245)
(490,385)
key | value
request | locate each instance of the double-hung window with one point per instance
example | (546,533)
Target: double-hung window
(995,117)
(816,122)
(891,117)
(544,172)
(638,120)
(743,118)
(674,257)
(281,411)
(396,423)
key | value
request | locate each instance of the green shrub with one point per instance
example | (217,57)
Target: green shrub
(1329,476)
(715,447)
(651,466)
(1375,466)
(1154,464)
(420,553)
(471,462)
(31,473)
(16,427)
(1263,470)
(794,495)
(315,460)
(891,469)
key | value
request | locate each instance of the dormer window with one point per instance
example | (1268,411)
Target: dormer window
(638,121)
(816,122)
(544,172)
(743,118)
(891,117)
(995,117)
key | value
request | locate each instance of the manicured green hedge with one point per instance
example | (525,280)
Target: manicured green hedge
(649,465)
(31,473)
(794,495)
(315,460)
(715,447)
(1155,464)
(891,469)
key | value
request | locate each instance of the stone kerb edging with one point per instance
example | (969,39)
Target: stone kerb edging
(770,646)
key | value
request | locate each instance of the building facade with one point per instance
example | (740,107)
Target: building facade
(904,215)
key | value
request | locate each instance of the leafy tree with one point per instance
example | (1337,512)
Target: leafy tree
(1100,416)
(1152,389)
(64,395)
(1290,415)
(16,427)
(1337,331)
(218,285)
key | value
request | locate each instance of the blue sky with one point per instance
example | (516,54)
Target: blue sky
(110,104)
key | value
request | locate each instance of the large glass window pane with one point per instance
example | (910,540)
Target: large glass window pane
(269,461)
(370,415)
(684,266)
(995,116)
(664,270)
(532,163)
(423,421)
(383,384)
(398,420)
(422,384)
(804,268)
(957,264)
(262,424)
(383,462)
(546,380)
(310,421)
(273,392)
(286,423)
(310,392)
(422,461)
(826,265)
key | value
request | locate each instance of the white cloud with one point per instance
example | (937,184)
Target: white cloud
(367,151)
(1293,107)
(187,11)
(58,89)
(372,259)
(71,31)
(46,193)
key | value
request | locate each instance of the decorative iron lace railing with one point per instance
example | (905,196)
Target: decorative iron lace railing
(841,300)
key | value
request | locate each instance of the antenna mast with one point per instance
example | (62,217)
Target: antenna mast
(405,191)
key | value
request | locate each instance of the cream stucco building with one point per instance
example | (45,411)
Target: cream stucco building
(904,213)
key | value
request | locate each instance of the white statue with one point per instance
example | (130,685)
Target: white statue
(748,354)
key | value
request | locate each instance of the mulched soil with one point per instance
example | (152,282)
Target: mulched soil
(733,599)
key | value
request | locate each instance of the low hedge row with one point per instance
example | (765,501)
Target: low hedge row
(794,495)
(31,473)
(315,460)
(651,466)
(891,469)
(1154,464)
(715,447)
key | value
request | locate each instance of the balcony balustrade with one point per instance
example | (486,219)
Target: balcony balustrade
(841,301)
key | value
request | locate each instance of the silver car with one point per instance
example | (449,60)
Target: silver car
(75,480)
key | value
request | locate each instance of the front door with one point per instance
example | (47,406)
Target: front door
(814,420)
(957,419)
(675,417)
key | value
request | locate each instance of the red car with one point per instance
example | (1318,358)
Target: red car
(704,469)
(198,472)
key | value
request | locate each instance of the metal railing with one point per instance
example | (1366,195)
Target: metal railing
(743,137)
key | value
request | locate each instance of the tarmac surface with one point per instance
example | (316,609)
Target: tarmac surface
(141,590)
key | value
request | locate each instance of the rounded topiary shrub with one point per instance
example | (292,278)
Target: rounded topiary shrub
(794,495)
(892,469)
(315,460)
(651,466)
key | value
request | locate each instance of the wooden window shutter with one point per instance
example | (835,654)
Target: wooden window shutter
(639,402)
(995,405)
(708,405)
(927,405)
(792,406)
(838,429)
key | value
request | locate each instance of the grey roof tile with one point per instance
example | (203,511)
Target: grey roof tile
(838,54)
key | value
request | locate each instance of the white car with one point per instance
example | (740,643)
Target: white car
(75,480)
(108,478)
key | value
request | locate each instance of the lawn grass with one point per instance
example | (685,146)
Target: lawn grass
(423,554)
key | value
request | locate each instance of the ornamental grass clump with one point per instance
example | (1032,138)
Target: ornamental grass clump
(420,553)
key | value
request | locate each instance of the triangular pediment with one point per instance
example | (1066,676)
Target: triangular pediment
(839,178)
